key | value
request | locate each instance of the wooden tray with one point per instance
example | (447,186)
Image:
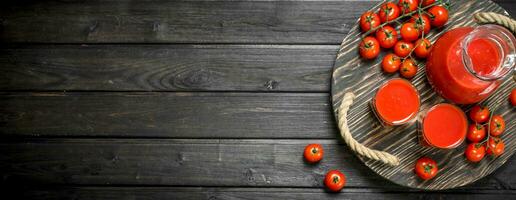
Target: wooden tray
(352,74)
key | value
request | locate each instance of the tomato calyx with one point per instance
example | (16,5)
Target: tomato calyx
(335,179)
(428,168)
(314,150)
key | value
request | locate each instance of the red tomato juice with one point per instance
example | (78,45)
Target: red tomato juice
(396,102)
(447,71)
(444,126)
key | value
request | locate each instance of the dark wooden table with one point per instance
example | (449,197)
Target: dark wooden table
(206,99)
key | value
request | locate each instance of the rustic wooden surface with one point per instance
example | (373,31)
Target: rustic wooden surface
(362,77)
(162,99)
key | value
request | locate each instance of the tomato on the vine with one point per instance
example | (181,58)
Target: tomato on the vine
(427,2)
(369,20)
(391,63)
(403,48)
(496,125)
(369,48)
(475,152)
(335,180)
(479,114)
(407,6)
(387,36)
(422,22)
(476,132)
(438,16)
(422,48)
(313,153)
(408,68)
(512,97)
(388,12)
(426,168)
(495,146)
(409,32)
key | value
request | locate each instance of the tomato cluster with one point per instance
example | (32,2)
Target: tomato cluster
(484,134)
(410,39)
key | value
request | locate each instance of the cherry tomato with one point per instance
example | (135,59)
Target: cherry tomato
(388,12)
(438,16)
(479,114)
(476,133)
(422,22)
(408,68)
(409,32)
(387,36)
(391,63)
(497,125)
(426,168)
(427,2)
(512,97)
(475,152)
(407,6)
(422,48)
(369,48)
(313,153)
(335,180)
(495,146)
(369,20)
(403,48)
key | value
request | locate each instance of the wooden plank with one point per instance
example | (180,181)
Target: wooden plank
(167,67)
(161,21)
(122,193)
(185,162)
(170,115)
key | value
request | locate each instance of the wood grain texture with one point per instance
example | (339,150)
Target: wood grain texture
(351,74)
(209,193)
(167,67)
(171,115)
(160,21)
(185,162)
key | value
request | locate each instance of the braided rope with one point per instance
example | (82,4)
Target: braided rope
(387,158)
(355,145)
(495,18)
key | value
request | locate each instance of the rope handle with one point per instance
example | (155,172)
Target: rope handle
(385,157)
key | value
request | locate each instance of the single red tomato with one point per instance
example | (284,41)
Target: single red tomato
(479,114)
(369,20)
(369,48)
(335,180)
(476,133)
(497,125)
(388,12)
(427,2)
(512,98)
(391,63)
(495,146)
(409,32)
(426,168)
(475,152)
(407,6)
(387,36)
(422,48)
(408,68)
(422,22)
(403,48)
(313,153)
(438,16)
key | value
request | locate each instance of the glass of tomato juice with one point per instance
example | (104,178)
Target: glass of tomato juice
(396,102)
(443,126)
